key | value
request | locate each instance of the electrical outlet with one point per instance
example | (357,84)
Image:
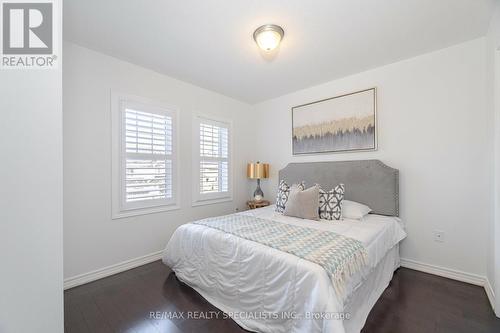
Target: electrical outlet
(439,236)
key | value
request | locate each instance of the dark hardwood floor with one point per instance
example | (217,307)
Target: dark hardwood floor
(414,302)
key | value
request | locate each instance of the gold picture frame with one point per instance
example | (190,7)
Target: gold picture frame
(344,123)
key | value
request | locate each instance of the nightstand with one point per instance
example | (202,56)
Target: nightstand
(252,204)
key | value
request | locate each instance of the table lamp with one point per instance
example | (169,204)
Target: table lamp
(258,171)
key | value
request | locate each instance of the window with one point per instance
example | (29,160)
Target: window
(212,164)
(144,157)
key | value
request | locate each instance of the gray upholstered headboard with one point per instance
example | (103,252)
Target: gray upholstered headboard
(370,182)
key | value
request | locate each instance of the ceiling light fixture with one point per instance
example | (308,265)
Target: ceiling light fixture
(268,36)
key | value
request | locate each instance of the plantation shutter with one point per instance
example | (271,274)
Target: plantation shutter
(213,158)
(148,158)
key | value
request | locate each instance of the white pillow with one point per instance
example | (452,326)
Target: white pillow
(354,210)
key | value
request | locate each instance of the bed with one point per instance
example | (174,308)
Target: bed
(267,290)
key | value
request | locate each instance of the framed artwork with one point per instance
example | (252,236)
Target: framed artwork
(338,124)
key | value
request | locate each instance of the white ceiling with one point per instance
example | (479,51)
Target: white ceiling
(209,43)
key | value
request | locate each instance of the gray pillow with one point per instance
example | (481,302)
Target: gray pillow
(303,203)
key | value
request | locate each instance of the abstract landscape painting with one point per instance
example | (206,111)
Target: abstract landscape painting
(342,123)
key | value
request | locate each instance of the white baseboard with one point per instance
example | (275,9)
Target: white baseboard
(78,280)
(452,274)
(444,272)
(490,292)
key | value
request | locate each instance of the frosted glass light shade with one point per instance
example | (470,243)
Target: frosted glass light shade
(268,36)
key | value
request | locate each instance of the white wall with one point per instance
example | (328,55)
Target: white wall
(31,278)
(435,127)
(493,71)
(92,239)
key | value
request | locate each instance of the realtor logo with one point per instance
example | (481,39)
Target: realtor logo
(27,28)
(27,34)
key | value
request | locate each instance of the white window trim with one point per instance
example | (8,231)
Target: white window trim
(117,209)
(213,198)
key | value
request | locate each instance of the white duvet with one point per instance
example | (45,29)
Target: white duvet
(266,290)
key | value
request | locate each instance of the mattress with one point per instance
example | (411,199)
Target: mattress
(267,290)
